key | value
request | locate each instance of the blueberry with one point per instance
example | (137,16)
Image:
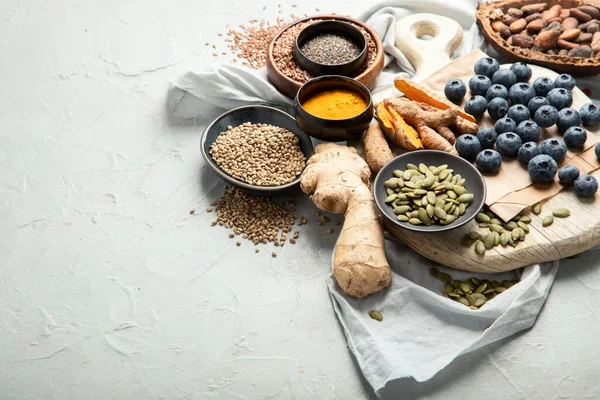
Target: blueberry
(455,90)
(476,106)
(542,86)
(468,146)
(508,144)
(586,186)
(560,98)
(568,174)
(542,169)
(487,137)
(522,71)
(486,66)
(536,103)
(479,84)
(597,151)
(505,125)
(575,136)
(504,77)
(529,131)
(527,151)
(564,81)
(590,114)
(496,91)
(497,108)
(519,113)
(554,148)
(521,93)
(567,117)
(489,161)
(546,116)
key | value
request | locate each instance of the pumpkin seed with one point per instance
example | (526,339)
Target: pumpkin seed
(418,184)
(452,208)
(403,218)
(516,217)
(496,284)
(447,207)
(449,219)
(488,241)
(440,213)
(484,225)
(523,226)
(424,217)
(424,201)
(397,173)
(481,217)
(391,183)
(496,228)
(427,182)
(481,288)
(489,291)
(390,191)
(495,221)
(480,248)
(411,167)
(402,196)
(501,289)
(414,214)
(420,192)
(474,308)
(510,225)
(409,184)
(456,212)
(547,221)
(516,233)
(440,203)
(475,282)
(458,291)
(453,295)
(430,210)
(512,242)
(459,190)
(442,196)
(526,219)
(444,277)
(471,299)
(433,271)
(465,287)
(423,168)
(461,182)
(442,167)
(561,212)
(507,284)
(464,301)
(537,208)
(480,301)
(462,208)
(376,315)
(504,238)
(407,174)
(391,198)
(474,235)
(448,288)
(415,221)
(455,283)
(465,198)
(451,194)
(431,197)
(496,238)
(444,174)
(402,209)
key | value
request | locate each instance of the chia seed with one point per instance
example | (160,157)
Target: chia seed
(330,49)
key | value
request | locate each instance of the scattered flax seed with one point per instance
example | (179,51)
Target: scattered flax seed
(273,254)
(213,203)
(317,10)
(209,209)
(214,46)
(215,54)
(325,219)
(238,244)
(231,236)
(219,34)
(193,210)
(319,222)
(213,223)
(207,44)
(256,250)
(292,241)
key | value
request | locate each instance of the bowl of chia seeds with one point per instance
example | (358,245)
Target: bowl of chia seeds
(331,48)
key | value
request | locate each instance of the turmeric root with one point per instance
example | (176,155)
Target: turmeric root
(377,150)
(425,122)
(462,125)
(337,180)
(396,129)
(417,92)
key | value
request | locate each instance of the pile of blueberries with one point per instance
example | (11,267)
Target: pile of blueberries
(546,101)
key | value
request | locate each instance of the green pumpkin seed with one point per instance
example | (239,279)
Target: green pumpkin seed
(414,214)
(516,217)
(403,218)
(537,208)
(433,271)
(455,283)
(561,212)
(507,284)
(474,235)
(442,167)
(430,210)
(418,202)
(480,301)
(501,289)
(452,209)
(448,186)
(458,291)
(496,284)
(481,288)
(420,192)
(424,217)
(465,287)
(459,190)
(440,213)
(442,196)
(476,282)
(488,241)
(444,174)
(427,182)
(391,198)
(448,288)
(496,238)
(484,225)
(391,183)
(451,194)
(402,196)
(456,212)
(465,198)
(489,291)
(516,233)
(453,295)
(431,198)
(409,184)
(461,182)
(480,248)
(523,226)
(547,221)
(447,207)
(424,201)
(471,299)
(504,238)
(390,191)
(407,175)
(412,167)
(512,242)
(376,315)
(510,225)
(474,308)
(449,219)
(397,173)
(462,208)
(526,219)
(495,221)
(423,168)
(496,228)
(462,300)
(414,221)
(481,217)
(444,277)
(401,209)
(418,183)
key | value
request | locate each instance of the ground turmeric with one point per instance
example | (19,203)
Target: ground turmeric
(335,104)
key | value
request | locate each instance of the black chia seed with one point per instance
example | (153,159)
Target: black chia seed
(330,49)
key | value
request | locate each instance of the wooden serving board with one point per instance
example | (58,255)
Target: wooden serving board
(565,238)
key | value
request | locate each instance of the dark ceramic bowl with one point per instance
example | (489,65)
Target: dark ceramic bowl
(474,183)
(350,68)
(333,130)
(256,115)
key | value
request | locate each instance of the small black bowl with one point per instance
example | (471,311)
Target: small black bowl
(350,68)
(474,184)
(333,130)
(256,114)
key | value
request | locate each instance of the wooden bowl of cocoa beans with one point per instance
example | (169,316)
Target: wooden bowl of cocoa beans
(563,35)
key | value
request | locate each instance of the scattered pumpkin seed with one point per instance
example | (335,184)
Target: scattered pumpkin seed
(537,208)
(474,235)
(495,221)
(397,173)
(412,167)
(481,217)
(444,277)
(496,228)
(547,221)
(504,238)
(488,241)
(523,226)
(561,212)
(376,315)
(526,219)
(465,287)
(484,225)
(434,271)
(496,238)
(480,248)
(448,288)
(389,191)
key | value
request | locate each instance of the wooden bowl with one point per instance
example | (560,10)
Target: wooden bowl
(561,64)
(290,87)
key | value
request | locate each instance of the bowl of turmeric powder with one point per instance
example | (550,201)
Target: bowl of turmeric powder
(333,108)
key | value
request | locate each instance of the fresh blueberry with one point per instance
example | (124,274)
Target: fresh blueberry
(546,116)
(564,81)
(486,66)
(489,161)
(455,90)
(568,174)
(504,77)
(586,186)
(505,125)
(529,131)
(468,146)
(522,71)
(527,151)
(508,144)
(560,98)
(536,103)
(554,148)
(567,117)
(479,84)
(496,91)
(542,86)
(590,114)
(597,151)
(476,106)
(542,169)
(575,136)
(497,108)
(521,93)
(519,113)
(487,137)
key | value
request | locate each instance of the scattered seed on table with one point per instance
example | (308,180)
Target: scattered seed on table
(193,210)
(231,236)
(215,54)
(330,230)
(319,222)
(209,209)
(256,250)
(292,241)
(238,244)
(213,223)
(273,254)
(207,44)
(376,315)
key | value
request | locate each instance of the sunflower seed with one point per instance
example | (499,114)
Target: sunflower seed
(561,212)
(547,221)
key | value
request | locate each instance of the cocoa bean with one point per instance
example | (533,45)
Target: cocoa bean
(596,41)
(553,12)
(515,12)
(547,39)
(554,26)
(536,25)
(598,54)
(518,25)
(509,19)
(564,13)
(551,52)
(580,15)
(534,8)
(584,26)
(563,52)
(581,52)
(563,44)
(497,26)
(570,23)
(593,28)
(510,40)
(523,41)
(590,10)
(532,17)
(584,38)
(570,34)
(555,19)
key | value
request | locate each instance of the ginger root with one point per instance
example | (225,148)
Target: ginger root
(462,125)
(377,151)
(337,180)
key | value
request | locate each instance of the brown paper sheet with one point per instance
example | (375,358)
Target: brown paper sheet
(510,191)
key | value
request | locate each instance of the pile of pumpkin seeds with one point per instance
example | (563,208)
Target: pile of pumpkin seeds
(472,292)
(426,195)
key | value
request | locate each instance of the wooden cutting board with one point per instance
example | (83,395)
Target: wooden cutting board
(565,238)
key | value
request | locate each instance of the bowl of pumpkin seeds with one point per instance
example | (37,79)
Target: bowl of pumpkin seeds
(429,191)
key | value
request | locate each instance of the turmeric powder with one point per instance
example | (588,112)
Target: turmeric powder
(335,104)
